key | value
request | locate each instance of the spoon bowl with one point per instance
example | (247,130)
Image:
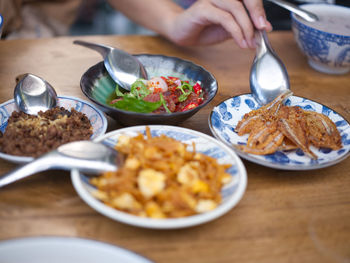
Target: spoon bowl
(86,156)
(33,94)
(268,75)
(123,67)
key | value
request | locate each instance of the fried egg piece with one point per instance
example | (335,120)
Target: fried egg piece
(126,201)
(205,205)
(150,182)
(187,175)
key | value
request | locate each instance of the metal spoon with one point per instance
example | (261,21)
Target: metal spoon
(304,14)
(87,156)
(33,94)
(123,67)
(268,75)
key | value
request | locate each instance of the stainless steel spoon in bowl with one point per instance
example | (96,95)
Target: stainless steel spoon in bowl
(123,67)
(33,94)
(304,14)
(268,75)
(86,156)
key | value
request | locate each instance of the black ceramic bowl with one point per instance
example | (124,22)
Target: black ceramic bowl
(98,86)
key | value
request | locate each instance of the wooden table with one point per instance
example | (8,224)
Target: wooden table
(284,216)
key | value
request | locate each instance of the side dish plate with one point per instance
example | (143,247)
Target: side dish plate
(231,193)
(225,116)
(96,117)
(98,86)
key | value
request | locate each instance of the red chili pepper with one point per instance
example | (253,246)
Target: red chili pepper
(200,100)
(157,90)
(197,88)
(172,87)
(190,106)
(173,78)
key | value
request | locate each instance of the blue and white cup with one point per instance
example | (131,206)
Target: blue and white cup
(326,43)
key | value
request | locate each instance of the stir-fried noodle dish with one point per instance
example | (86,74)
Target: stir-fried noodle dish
(160,178)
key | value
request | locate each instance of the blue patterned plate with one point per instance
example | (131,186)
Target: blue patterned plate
(225,116)
(96,117)
(231,193)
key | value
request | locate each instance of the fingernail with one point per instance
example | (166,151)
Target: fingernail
(262,22)
(244,44)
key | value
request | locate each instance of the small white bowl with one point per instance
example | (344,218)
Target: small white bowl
(96,117)
(231,193)
(326,43)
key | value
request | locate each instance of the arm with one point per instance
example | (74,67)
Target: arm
(205,22)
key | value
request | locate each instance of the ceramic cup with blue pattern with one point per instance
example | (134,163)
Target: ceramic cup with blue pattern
(326,43)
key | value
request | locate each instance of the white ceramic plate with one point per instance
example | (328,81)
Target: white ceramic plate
(96,117)
(225,116)
(64,250)
(208,145)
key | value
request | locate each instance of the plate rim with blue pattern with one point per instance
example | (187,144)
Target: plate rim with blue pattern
(222,127)
(231,194)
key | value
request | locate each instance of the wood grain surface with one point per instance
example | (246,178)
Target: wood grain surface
(284,216)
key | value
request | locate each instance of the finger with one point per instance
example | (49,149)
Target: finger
(215,15)
(237,10)
(213,34)
(257,14)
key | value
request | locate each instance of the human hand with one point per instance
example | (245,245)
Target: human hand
(212,21)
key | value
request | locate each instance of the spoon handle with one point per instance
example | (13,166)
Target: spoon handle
(102,49)
(306,15)
(38,165)
(263,44)
(93,159)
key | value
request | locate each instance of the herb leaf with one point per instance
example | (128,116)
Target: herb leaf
(164,103)
(139,89)
(137,105)
(186,90)
(118,92)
